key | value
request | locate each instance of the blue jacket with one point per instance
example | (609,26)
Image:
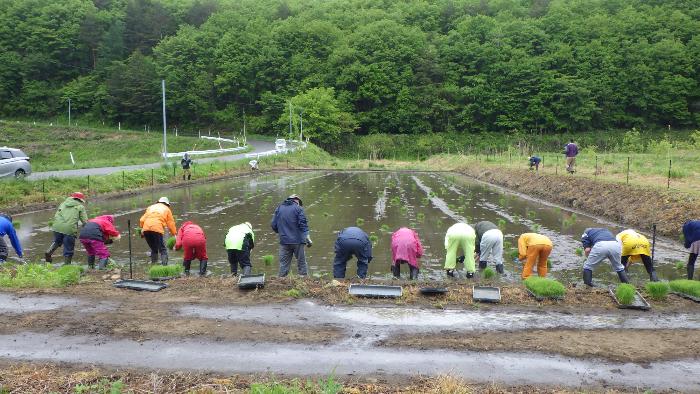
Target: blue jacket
(6,228)
(535,160)
(355,233)
(594,235)
(290,223)
(691,232)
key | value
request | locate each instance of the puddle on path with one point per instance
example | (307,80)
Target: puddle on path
(10,303)
(503,367)
(385,201)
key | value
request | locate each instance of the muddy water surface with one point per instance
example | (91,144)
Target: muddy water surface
(380,201)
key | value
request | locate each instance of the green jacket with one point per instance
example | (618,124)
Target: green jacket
(236,235)
(69,213)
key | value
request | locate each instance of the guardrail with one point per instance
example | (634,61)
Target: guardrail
(206,152)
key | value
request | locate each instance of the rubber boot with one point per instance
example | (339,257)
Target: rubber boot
(460,260)
(183,177)
(67,260)
(189,177)
(102,264)
(154,258)
(653,277)
(163,259)
(450,273)
(246,270)
(588,277)
(470,275)
(91,262)
(482,265)
(499,268)
(49,252)
(187,264)
(623,277)
(203,267)
(396,271)
(414,273)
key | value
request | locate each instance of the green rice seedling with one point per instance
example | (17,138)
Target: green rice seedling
(384,227)
(268,259)
(425,201)
(502,224)
(657,290)
(138,231)
(686,286)
(531,214)
(164,271)
(513,254)
(488,273)
(326,214)
(40,276)
(404,209)
(680,265)
(395,201)
(16,224)
(420,217)
(625,293)
(439,222)
(544,287)
(502,201)
(294,293)
(359,221)
(373,238)
(507,244)
(171,243)
(573,218)
(536,228)
(579,252)
(549,264)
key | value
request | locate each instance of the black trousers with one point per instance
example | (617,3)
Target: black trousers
(646,260)
(3,249)
(155,242)
(236,257)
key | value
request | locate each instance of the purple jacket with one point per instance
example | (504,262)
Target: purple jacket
(571,150)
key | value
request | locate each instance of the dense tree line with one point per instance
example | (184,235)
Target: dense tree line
(356,65)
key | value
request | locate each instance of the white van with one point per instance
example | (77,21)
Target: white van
(281,144)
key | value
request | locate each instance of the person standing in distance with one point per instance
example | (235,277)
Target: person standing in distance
(570,151)
(289,221)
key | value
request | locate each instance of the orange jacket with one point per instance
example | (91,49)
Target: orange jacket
(157,217)
(529,239)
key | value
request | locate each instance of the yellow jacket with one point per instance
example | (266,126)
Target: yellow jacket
(634,244)
(157,217)
(529,239)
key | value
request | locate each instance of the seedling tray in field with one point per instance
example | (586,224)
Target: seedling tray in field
(376,291)
(433,291)
(249,282)
(140,285)
(542,298)
(639,302)
(486,294)
(687,296)
(164,278)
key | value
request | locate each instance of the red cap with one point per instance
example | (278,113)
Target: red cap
(80,196)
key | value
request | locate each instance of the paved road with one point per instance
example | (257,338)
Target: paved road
(257,146)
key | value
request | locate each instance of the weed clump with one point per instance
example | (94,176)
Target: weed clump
(489,273)
(657,290)
(625,293)
(268,259)
(686,286)
(164,271)
(40,276)
(170,243)
(543,287)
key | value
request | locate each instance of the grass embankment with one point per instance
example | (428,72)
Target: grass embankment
(18,194)
(49,147)
(39,276)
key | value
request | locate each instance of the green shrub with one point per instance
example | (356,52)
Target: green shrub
(625,293)
(268,259)
(489,273)
(40,276)
(170,243)
(164,271)
(543,287)
(657,290)
(686,286)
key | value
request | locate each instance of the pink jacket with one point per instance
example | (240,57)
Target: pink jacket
(405,245)
(106,223)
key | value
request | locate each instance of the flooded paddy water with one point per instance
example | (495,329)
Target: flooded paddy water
(381,201)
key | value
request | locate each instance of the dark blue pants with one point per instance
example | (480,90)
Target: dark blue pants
(344,250)
(68,242)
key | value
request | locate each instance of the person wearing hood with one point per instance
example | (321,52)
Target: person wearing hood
(186,162)
(240,240)
(95,235)
(636,247)
(191,238)
(352,241)
(599,244)
(70,214)
(534,162)
(460,236)
(691,237)
(406,248)
(289,221)
(6,228)
(153,223)
(534,249)
(489,245)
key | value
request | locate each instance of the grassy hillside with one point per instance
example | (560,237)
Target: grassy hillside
(49,146)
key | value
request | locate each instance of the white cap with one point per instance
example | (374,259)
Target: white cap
(164,200)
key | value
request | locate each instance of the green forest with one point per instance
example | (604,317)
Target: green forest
(355,66)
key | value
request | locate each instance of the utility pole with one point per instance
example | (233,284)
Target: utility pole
(69,112)
(301,125)
(290,118)
(165,132)
(245,140)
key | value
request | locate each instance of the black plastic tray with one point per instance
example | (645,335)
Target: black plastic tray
(486,294)
(249,282)
(140,285)
(639,302)
(376,291)
(688,296)
(432,291)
